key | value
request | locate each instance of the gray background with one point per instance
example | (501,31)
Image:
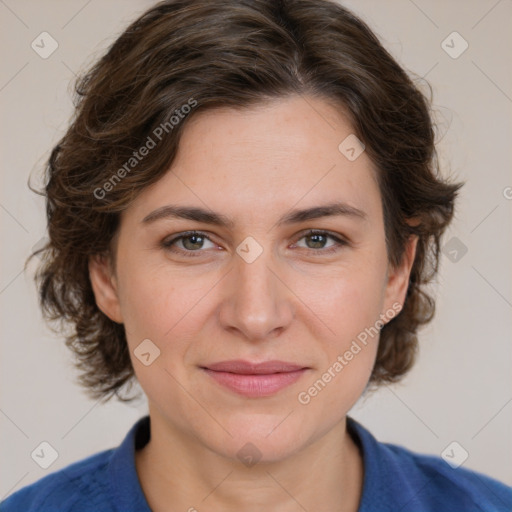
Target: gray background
(460,388)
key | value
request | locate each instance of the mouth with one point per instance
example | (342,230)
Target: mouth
(255,380)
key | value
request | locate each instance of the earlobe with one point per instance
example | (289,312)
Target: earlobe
(104,287)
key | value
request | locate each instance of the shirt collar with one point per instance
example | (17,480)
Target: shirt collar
(128,494)
(383,483)
(124,481)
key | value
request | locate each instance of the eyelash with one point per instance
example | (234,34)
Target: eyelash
(168,244)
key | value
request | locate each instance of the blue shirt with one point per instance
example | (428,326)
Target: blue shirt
(395,479)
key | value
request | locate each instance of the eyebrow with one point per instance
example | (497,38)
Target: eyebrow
(295,216)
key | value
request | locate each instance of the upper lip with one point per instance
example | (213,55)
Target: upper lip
(247,368)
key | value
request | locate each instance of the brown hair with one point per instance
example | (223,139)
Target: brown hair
(184,56)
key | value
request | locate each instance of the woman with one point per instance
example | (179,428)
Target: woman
(243,215)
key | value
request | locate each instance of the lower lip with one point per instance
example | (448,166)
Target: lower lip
(255,386)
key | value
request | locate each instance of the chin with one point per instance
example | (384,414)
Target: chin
(266,438)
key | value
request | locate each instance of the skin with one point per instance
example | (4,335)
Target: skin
(294,303)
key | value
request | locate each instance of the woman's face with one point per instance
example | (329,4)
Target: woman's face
(259,288)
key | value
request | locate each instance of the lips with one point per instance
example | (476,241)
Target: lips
(255,379)
(244,367)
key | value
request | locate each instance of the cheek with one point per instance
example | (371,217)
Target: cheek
(349,304)
(158,307)
(166,306)
(346,298)
(153,296)
(349,357)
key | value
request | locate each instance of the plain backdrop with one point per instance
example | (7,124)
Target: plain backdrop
(460,388)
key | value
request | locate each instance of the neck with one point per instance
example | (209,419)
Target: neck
(177,473)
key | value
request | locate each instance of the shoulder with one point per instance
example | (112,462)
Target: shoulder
(434,482)
(397,478)
(83,483)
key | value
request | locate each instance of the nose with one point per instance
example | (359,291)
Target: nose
(258,304)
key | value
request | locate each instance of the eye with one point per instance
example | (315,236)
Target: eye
(191,242)
(318,239)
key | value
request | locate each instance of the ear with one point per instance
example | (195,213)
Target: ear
(398,277)
(105,287)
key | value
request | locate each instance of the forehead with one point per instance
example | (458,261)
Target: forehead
(274,156)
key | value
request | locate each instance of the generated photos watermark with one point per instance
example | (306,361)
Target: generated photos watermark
(150,143)
(305,397)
